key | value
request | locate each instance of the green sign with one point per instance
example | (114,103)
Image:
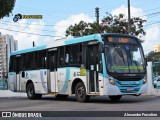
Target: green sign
(127,67)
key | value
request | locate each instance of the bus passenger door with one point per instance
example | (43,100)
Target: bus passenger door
(92,66)
(52,65)
(17,67)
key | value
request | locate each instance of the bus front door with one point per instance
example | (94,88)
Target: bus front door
(92,66)
(52,64)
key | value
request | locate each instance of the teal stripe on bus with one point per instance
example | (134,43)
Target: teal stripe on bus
(104,66)
(77,68)
(65,85)
(84,39)
(29,50)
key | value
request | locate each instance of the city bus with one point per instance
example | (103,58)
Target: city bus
(110,65)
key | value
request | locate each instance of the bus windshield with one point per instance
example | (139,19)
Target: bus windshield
(124,58)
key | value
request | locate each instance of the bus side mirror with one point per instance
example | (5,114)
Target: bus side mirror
(145,60)
(101,47)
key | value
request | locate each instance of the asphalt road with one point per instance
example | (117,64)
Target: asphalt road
(49,103)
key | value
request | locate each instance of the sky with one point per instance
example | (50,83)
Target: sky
(58,15)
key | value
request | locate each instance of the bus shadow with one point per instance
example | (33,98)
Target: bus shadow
(106,100)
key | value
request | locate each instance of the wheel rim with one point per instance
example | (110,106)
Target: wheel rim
(80,92)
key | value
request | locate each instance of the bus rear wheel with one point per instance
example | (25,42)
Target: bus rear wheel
(80,92)
(115,97)
(31,92)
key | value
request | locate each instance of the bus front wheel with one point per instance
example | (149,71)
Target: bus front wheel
(80,92)
(115,97)
(31,92)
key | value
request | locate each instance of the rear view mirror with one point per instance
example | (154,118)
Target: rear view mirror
(101,48)
(145,61)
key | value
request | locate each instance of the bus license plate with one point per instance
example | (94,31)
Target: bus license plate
(130,89)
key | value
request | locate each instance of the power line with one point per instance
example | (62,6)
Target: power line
(37,24)
(152,23)
(155,13)
(145,3)
(150,14)
(30,33)
(60,11)
(25,27)
(152,9)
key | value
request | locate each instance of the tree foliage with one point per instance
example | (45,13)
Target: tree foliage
(109,24)
(6,7)
(154,57)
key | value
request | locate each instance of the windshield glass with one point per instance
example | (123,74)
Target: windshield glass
(124,58)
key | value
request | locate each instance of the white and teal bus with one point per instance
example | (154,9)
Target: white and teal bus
(95,65)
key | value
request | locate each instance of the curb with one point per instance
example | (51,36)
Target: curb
(8,93)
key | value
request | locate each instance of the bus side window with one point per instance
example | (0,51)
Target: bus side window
(76,54)
(25,61)
(29,61)
(17,64)
(40,59)
(61,56)
(67,55)
(11,64)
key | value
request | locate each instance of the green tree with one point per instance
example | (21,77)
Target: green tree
(6,7)
(154,57)
(109,24)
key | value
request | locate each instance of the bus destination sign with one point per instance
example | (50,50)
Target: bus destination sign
(121,40)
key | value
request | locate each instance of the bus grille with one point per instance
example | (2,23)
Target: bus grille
(129,86)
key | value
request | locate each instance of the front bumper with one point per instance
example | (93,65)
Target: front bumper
(126,88)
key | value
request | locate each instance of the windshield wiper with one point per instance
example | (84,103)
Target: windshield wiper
(119,51)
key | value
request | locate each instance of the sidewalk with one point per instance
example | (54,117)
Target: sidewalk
(8,93)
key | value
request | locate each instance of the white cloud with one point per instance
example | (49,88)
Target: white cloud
(135,12)
(62,25)
(152,38)
(24,40)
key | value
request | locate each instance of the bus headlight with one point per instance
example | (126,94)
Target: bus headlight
(144,80)
(111,80)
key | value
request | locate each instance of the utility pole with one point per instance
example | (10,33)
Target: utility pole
(97,18)
(33,44)
(129,18)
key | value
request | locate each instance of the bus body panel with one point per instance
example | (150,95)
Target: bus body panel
(131,88)
(66,77)
(39,79)
(63,80)
(12,81)
(53,81)
(101,84)
(143,89)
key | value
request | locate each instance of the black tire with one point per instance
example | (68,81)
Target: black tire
(31,92)
(115,98)
(80,92)
(61,97)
